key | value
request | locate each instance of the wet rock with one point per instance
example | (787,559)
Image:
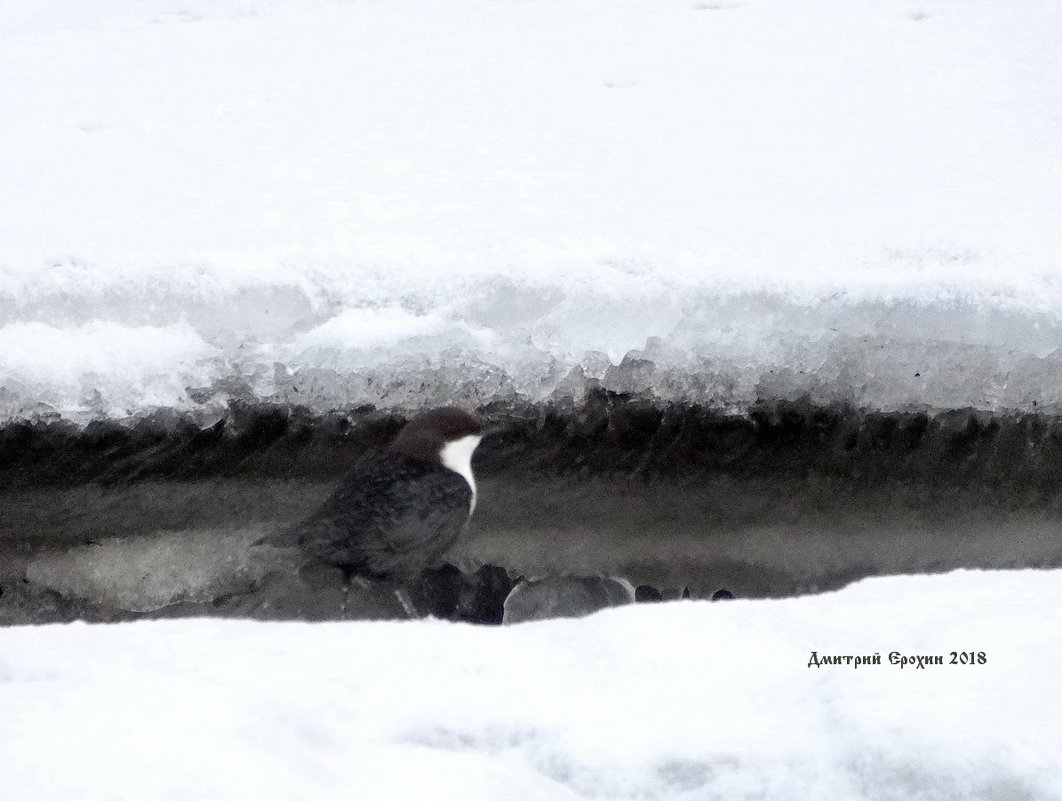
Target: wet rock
(565,596)
(646,594)
(482,598)
(478,597)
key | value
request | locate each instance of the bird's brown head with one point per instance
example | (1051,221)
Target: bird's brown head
(428,433)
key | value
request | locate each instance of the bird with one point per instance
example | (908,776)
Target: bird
(394,515)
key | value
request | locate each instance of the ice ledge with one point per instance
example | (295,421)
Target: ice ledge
(867,373)
(727,352)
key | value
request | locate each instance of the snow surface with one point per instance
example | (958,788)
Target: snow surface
(772,197)
(685,700)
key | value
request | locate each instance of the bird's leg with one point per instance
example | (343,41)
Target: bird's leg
(407,603)
(351,578)
(347,578)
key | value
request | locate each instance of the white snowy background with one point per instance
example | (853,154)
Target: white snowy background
(774,197)
(689,701)
(328,202)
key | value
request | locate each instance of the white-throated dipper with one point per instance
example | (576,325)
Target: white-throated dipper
(395,515)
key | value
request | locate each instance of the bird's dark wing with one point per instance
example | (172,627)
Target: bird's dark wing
(391,517)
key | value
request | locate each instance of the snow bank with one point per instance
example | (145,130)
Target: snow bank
(106,368)
(339,203)
(684,700)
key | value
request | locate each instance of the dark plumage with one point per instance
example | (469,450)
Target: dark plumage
(394,516)
(390,518)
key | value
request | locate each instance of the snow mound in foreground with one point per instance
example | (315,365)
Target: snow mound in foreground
(684,700)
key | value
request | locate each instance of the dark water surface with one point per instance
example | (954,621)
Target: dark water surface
(791,498)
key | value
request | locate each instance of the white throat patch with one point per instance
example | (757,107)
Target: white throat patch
(457,456)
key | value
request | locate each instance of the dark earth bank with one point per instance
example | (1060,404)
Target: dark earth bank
(153,516)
